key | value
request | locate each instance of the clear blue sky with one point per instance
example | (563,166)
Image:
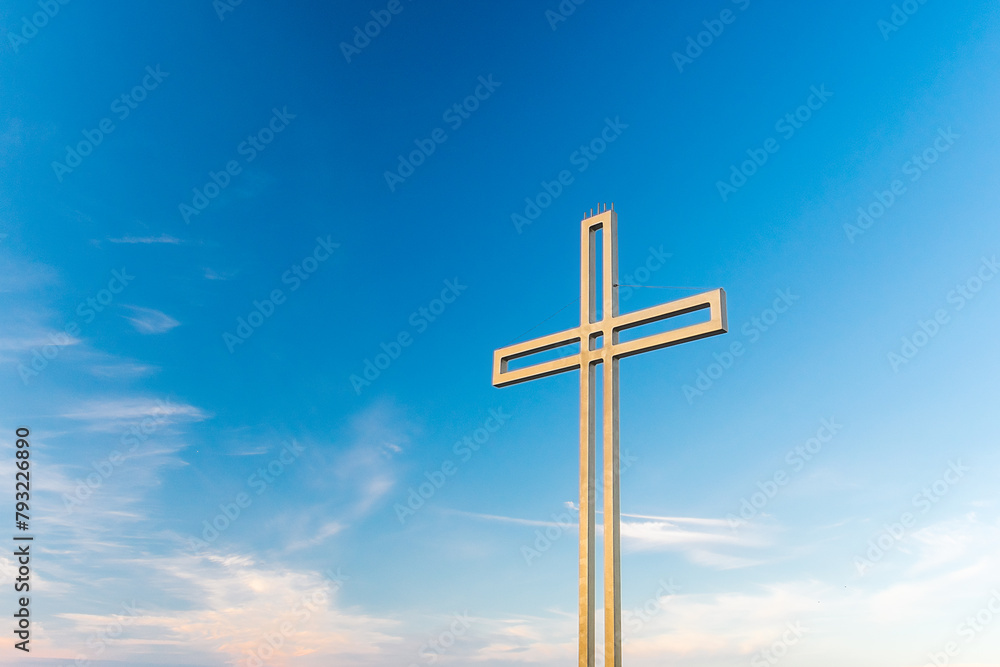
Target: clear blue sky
(215,217)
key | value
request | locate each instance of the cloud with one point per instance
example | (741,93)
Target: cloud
(514,520)
(212,274)
(22,343)
(377,435)
(13,137)
(123,369)
(162,238)
(115,411)
(322,534)
(702,541)
(229,604)
(149,321)
(24,276)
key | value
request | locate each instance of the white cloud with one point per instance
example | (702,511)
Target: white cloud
(150,321)
(134,409)
(228,605)
(23,343)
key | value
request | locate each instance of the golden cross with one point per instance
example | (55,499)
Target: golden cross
(598,340)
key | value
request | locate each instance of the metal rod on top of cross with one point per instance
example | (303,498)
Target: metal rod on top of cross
(599,343)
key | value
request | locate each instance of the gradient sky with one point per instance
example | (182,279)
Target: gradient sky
(186,297)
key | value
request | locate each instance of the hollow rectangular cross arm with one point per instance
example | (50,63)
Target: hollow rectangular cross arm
(502,377)
(714,301)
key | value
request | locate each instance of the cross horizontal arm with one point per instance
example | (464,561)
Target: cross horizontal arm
(503,377)
(714,301)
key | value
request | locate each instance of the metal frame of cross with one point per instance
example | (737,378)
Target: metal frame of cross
(599,343)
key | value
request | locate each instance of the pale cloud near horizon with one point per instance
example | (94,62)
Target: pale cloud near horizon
(915,615)
(229,606)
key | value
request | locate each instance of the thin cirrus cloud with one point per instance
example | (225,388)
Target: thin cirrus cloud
(150,321)
(22,343)
(146,240)
(123,369)
(136,409)
(212,274)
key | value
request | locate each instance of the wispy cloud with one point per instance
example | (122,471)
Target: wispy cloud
(119,410)
(325,532)
(212,274)
(18,275)
(20,344)
(377,435)
(13,136)
(124,369)
(149,321)
(162,238)
(705,542)
(509,519)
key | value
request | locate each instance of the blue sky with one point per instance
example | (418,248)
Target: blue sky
(212,225)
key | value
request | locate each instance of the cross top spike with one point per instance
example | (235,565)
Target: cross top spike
(597,338)
(599,211)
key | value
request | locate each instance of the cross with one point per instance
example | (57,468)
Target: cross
(598,340)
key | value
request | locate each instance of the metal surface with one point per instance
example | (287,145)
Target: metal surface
(597,337)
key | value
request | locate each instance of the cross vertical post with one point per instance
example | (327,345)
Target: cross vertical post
(598,340)
(612,509)
(588,492)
